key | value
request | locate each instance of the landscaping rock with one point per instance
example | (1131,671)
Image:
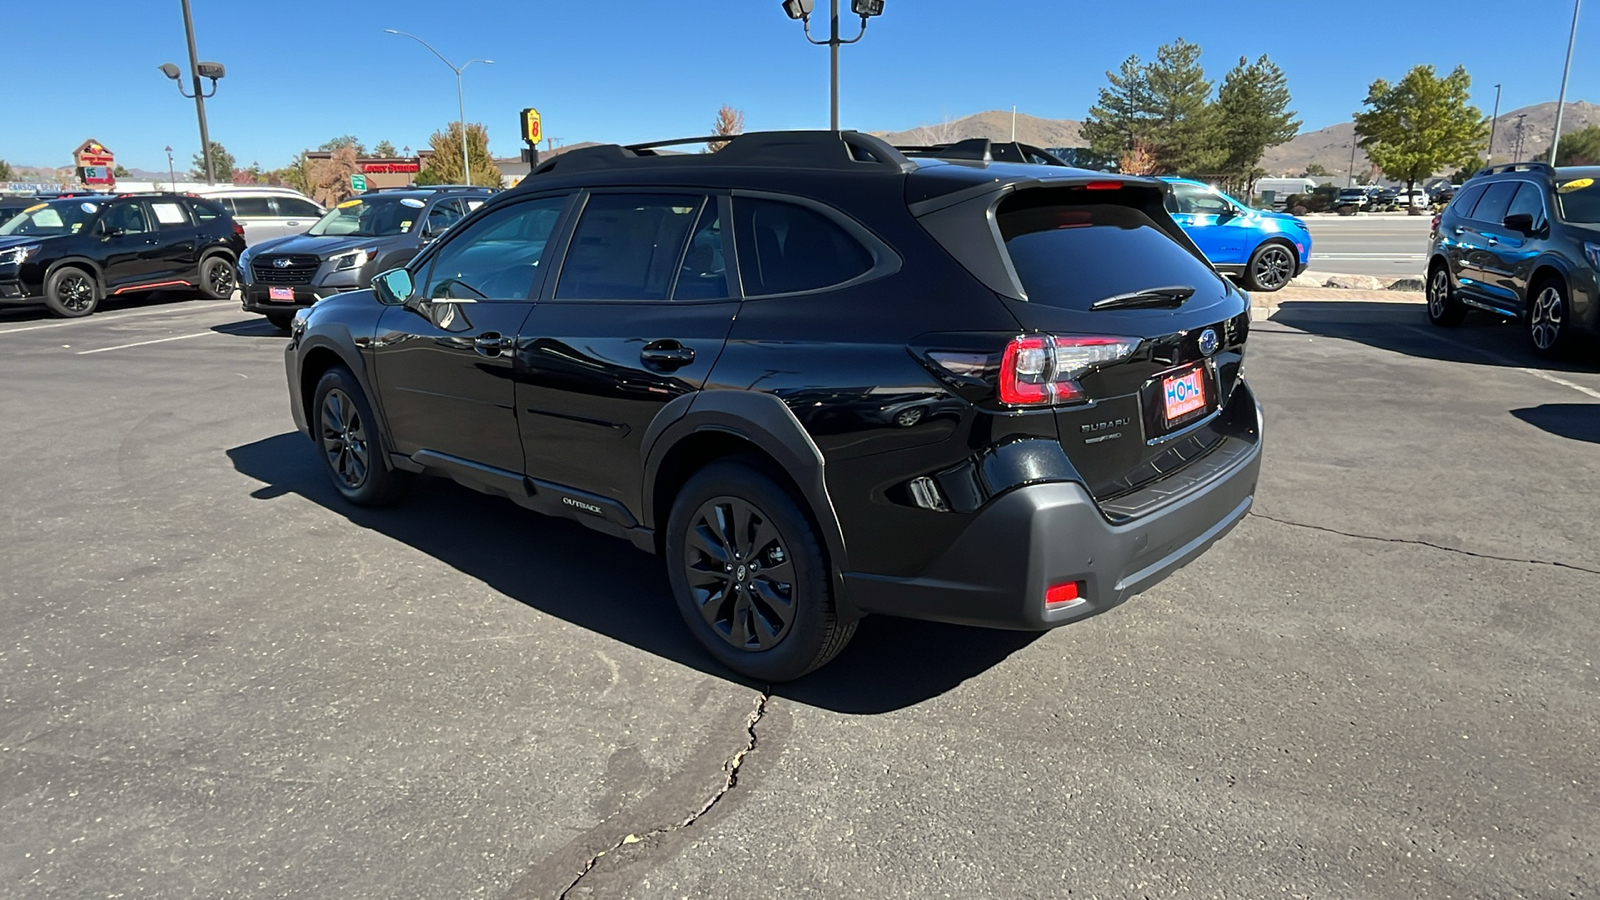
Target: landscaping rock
(1354,283)
(1407,284)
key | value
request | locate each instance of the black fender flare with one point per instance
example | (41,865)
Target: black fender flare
(345,350)
(768,423)
(79,262)
(1544,261)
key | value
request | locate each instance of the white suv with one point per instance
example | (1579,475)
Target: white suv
(266,212)
(1417,197)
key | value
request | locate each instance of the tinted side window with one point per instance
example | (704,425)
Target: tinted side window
(704,273)
(1465,200)
(129,218)
(170,214)
(1529,201)
(252,207)
(792,248)
(1496,200)
(627,246)
(1198,200)
(444,214)
(294,207)
(206,211)
(498,257)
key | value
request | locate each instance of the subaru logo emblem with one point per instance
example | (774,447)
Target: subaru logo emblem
(1209,342)
(281,263)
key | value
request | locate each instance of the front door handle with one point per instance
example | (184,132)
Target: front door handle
(1493,241)
(666,354)
(492,343)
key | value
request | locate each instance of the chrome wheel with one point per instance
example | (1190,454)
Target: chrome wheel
(344,439)
(1438,293)
(740,575)
(1272,268)
(1544,320)
(76,292)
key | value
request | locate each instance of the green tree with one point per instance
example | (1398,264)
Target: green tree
(119,171)
(1316,170)
(343,141)
(6,174)
(297,174)
(1124,113)
(384,149)
(1251,114)
(1184,139)
(444,167)
(1580,148)
(1421,124)
(221,163)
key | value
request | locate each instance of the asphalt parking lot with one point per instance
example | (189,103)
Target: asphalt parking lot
(217,680)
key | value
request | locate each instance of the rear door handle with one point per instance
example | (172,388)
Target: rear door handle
(492,343)
(667,354)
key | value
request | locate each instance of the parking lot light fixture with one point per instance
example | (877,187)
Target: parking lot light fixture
(461,106)
(801,9)
(1561,99)
(199,70)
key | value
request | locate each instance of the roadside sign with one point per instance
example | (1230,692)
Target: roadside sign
(532,126)
(358,182)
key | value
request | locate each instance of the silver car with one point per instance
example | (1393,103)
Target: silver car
(266,212)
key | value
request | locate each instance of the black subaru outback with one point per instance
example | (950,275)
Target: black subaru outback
(1521,240)
(821,378)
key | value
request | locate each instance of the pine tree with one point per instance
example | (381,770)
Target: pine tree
(1122,117)
(1251,114)
(384,150)
(1181,100)
(221,164)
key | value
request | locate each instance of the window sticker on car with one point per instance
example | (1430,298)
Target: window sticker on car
(88,207)
(1577,185)
(169,213)
(349,203)
(412,202)
(406,225)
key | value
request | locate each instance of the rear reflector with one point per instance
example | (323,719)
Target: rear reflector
(1063,593)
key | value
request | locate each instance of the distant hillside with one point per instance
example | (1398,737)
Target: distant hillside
(994,125)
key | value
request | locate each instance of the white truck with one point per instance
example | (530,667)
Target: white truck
(1281,188)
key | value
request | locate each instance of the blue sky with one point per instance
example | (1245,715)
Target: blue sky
(631,70)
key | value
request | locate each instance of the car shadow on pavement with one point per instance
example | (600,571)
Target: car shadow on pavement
(1574,421)
(605,585)
(254,327)
(1482,339)
(22,315)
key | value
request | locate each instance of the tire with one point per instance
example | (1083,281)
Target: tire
(217,280)
(732,508)
(1445,309)
(71,292)
(1270,268)
(1548,313)
(350,444)
(280,321)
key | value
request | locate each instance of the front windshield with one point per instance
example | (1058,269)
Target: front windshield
(1579,201)
(49,219)
(375,217)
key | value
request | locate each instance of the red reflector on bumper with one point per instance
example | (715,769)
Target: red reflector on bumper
(1061,593)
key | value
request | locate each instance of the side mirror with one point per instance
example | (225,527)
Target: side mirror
(1521,223)
(393,287)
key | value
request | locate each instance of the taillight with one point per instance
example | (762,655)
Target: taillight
(1433,230)
(1043,369)
(238,229)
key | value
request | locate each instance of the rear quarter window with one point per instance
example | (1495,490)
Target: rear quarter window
(787,248)
(1070,254)
(1465,200)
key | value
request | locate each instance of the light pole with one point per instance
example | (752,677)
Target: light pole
(801,9)
(461,106)
(1351,177)
(1493,121)
(172,172)
(1561,101)
(199,70)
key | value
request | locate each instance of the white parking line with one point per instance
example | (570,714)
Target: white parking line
(105,317)
(181,337)
(1508,362)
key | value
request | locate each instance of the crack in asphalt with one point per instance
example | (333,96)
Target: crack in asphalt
(1421,543)
(730,768)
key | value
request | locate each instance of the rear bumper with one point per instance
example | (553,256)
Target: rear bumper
(996,574)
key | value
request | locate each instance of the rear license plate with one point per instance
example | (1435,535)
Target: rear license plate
(281,294)
(1184,393)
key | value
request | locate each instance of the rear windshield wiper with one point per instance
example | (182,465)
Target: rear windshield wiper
(1149,297)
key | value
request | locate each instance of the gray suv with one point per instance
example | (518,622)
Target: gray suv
(355,240)
(1522,241)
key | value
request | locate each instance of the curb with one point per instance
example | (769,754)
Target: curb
(1264,306)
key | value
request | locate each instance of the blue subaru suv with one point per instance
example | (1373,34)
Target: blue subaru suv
(1266,249)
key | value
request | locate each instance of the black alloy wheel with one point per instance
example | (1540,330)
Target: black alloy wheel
(347,435)
(1270,268)
(749,573)
(71,293)
(1444,309)
(1547,315)
(217,278)
(742,578)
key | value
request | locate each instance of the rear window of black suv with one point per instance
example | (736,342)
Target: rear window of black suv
(1071,254)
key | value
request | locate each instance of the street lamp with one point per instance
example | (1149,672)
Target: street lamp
(1561,101)
(199,70)
(461,106)
(1494,117)
(171,171)
(801,9)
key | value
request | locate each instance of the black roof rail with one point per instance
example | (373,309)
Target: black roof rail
(847,150)
(432,187)
(985,150)
(1530,166)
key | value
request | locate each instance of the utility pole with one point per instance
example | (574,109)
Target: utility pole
(1493,121)
(172,171)
(1351,177)
(1561,100)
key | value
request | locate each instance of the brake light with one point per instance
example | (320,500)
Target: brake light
(238,229)
(1043,369)
(1103,186)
